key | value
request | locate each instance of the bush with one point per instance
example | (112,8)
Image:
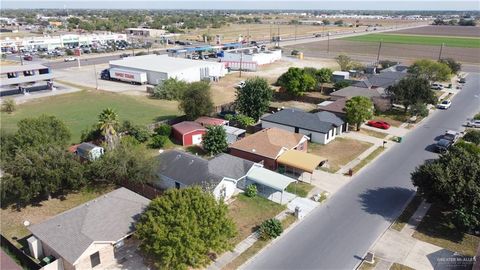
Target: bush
(164,130)
(419,109)
(91,134)
(271,228)
(9,105)
(472,136)
(341,84)
(251,191)
(139,133)
(69,52)
(170,89)
(158,141)
(244,121)
(477,116)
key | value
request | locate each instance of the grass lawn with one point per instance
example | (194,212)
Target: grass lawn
(248,213)
(367,160)
(300,188)
(256,247)
(80,110)
(367,266)
(463,42)
(373,133)
(407,213)
(393,117)
(12,220)
(339,151)
(436,229)
(398,266)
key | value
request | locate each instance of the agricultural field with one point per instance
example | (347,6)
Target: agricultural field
(442,30)
(462,42)
(80,110)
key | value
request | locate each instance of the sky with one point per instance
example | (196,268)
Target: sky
(248,4)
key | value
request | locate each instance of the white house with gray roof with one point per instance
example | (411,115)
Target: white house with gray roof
(88,236)
(321,127)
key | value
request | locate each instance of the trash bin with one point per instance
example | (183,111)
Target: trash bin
(399,139)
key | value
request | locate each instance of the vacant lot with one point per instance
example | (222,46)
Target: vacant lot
(12,220)
(463,42)
(248,213)
(443,30)
(339,151)
(80,110)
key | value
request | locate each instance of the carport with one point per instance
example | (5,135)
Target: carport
(270,183)
(297,163)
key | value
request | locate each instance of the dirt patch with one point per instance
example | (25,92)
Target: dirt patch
(388,50)
(443,30)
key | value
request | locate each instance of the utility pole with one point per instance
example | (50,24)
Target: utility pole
(278,35)
(379,48)
(96,77)
(20,55)
(328,43)
(241,62)
(296,30)
(441,50)
(270,32)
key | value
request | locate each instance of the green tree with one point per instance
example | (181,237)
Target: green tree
(419,109)
(180,228)
(244,121)
(358,110)
(9,105)
(430,70)
(164,130)
(170,89)
(454,66)
(453,180)
(158,141)
(412,90)
(254,98)
(271,228)
(108,124)
(344,61)
(472,136)
(129,161)
(341,84)
(196,101)
(215,140)
(251,191)
(323,76)
(296,81)
(41,131)
(139,133)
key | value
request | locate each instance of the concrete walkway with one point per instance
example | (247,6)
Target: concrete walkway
(394,131)
(357,160)
(416,218)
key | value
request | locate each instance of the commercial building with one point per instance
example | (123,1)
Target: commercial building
(24,79)
(145,32)
(161,67)
(259,58)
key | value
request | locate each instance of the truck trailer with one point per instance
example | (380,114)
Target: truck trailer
(117,74)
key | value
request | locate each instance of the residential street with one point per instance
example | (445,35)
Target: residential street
(339,233)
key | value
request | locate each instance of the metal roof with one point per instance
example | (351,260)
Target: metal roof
(269,178)
(10,69)
(300,160)
(26,79)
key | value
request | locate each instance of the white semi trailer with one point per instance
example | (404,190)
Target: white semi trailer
(135,77)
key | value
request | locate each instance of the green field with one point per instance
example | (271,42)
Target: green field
(80,110)
(463,42)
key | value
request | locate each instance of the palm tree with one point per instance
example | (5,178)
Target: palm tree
(107,123)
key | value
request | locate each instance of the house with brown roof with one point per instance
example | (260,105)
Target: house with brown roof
(267,145)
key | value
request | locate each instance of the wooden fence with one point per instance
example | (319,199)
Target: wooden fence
(146,190)
(18,254)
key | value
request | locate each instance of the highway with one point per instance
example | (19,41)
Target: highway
(341,231)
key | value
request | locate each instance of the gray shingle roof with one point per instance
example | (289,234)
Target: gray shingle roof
(310,121)
(189,169)
(363,84)
(353,91)
(107,218)
(385,79)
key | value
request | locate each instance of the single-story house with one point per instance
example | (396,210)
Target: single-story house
(354,91)
(206,121)
(336,107)
(381,80)
(267,145)
(178,169)
(320,127)
(90,235)
(234,134)
(188,133)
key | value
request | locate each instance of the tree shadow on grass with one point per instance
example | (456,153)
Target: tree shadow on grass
(385,202)
(437,224)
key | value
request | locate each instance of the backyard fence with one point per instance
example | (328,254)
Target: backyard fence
(146,190)
(18,254)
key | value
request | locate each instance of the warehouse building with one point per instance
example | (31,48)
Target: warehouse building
(259,58)
(16,80)
(161,67)
(145,32)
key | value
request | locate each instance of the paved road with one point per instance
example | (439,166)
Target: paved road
(340,232)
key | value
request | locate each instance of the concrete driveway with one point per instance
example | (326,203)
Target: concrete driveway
(128,257)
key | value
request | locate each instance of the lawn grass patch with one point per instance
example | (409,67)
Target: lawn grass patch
(339,151)
(256,247)
(81,109)
(12,220)
(398,266)
(367,266)
(407,213)
(436,229)
(462,42)
(248,213)
(394,117)
(373,133)
(367,159)
(301,189)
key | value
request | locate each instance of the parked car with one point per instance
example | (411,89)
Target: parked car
(378,124)
(295,52)
(69,59)
(240,85)
(462,80)
(28,58)
(451,135)
(443,145)
(123,55)
(473,123)
(444,104)
(437,86)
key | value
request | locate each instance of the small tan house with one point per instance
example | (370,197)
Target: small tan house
(90,235)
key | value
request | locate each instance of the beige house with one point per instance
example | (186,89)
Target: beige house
(88,236)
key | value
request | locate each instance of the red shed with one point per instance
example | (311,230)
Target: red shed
(210,121)
(188,132)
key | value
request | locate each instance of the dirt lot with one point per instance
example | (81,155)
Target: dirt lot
(443,30)
(388,50)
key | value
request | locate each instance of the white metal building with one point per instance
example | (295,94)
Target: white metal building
(161,67)
(260,58)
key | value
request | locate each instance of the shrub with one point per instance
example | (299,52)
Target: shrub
(251,191)
(140,133)
(164,130)
(244,121)
(419,109)
(158,141)
(9,105)
(472,136)
(341,84)
(170,89)
(477,116)
(69,52)
(271,228)
(91,134)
